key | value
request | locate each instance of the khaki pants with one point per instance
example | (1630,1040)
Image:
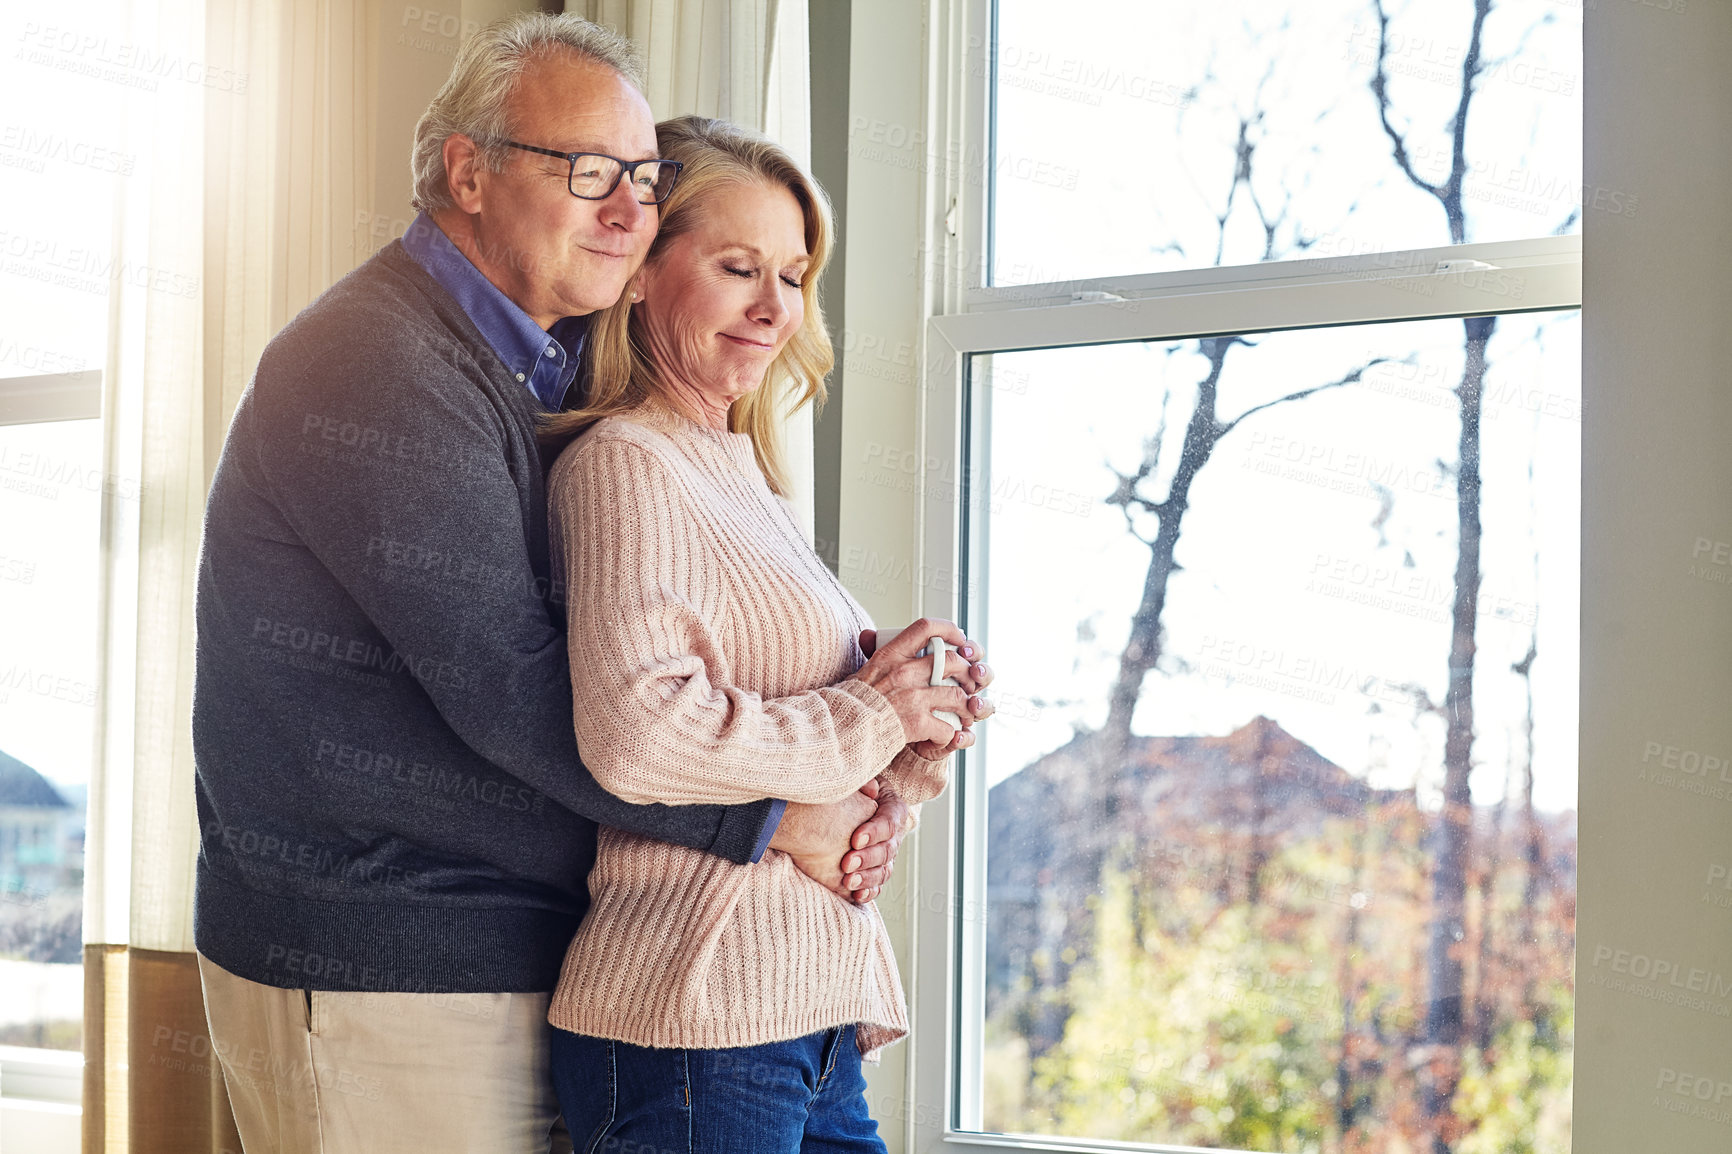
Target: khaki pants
(346,1073)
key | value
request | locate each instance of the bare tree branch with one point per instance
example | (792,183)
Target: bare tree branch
(1351,378)
(1242,150)
(1380,89)
(1126,495)
(1470,69)
(1422,702)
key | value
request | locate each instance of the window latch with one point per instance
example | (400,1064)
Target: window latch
(1446,267)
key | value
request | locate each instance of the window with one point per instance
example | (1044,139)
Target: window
(1254,434)
(59,177)
(50,498)
(1166,136)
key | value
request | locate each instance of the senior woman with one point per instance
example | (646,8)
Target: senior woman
(708,1006)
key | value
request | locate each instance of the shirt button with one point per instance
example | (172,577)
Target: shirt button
(550,350)
(520,376)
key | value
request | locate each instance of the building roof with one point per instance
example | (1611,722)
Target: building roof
(22,786)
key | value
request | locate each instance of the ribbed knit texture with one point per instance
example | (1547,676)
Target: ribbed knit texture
(714,648)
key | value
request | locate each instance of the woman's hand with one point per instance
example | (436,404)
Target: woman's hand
(966,663)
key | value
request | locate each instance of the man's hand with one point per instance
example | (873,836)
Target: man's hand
(818,837)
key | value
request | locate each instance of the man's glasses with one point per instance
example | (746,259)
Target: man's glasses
(594,176)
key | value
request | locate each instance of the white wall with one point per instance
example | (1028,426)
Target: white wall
(880,405)
(1656,606)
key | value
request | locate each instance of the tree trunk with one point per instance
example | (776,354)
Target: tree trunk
(1484,983)
(1452,835)
(1143,647)
(1261,761)
(1532,853)
(1347,1104)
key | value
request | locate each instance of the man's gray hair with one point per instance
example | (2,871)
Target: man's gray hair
(474,100)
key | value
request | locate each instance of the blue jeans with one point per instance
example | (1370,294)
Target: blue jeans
(805,1096)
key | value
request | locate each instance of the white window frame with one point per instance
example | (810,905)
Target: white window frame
(51,397)
(966,317)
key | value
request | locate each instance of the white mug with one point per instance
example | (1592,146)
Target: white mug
(937,648)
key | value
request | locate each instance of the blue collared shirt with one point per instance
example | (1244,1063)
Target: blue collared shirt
(544,360)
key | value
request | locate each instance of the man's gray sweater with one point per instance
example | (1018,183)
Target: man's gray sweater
(389,793)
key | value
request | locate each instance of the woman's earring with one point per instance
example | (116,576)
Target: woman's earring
(636,296)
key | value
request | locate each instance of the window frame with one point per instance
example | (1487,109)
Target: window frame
(966,317)
(48,398)
(31,1076)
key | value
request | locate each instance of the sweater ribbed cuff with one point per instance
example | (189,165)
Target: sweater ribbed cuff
(741,831)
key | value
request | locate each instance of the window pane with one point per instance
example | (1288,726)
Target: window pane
(61,176)
(50,499)
(1142,135)
(1227,905)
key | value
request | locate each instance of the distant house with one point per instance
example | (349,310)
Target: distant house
(1206,812)
(34,850)
(1049,823)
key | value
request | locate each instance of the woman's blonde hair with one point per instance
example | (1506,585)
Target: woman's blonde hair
(617,375)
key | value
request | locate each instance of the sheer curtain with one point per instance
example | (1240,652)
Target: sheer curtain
(141,840)
(740,60)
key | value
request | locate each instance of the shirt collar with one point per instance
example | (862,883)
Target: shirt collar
(544,362)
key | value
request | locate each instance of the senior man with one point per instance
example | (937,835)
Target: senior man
(396,824)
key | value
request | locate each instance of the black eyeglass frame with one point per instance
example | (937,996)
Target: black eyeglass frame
(625,167)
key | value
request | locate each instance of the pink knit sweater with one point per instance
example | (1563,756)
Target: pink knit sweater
(710,651)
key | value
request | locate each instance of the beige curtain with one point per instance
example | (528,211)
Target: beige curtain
(741,60)
(272,163)
(141,841)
